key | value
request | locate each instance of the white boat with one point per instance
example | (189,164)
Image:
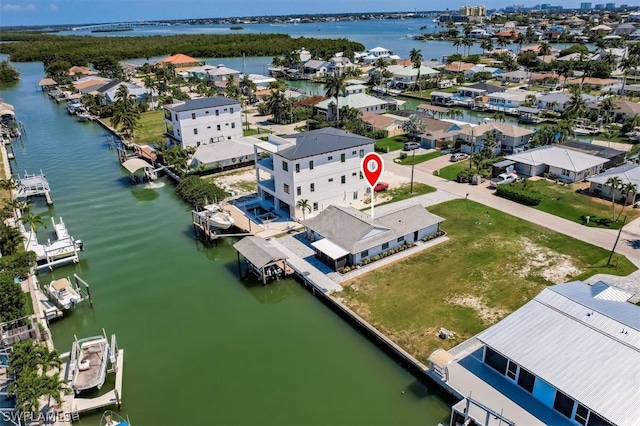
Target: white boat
(83,116)
(88,363)
(109,418)
(582,130)
(217,216)
(63,293)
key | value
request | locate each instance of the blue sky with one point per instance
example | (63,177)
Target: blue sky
(54,12)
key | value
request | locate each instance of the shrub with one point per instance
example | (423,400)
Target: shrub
(511,193)
(199,192)
(376,257)
(403,155)
(346,269)
(464,176)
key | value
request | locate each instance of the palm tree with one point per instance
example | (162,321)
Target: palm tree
(10,239)
(576,105)
(278,105)
(486,45)
(607,107)
(468,43)
(500,116)
(456,43)
(248,87)
(335,87)
(14,205)
(33,221)
(615,183)
(520,40)
(149,84)
(27,389)
(631,62)
(8,184)
(416,58)
(545,49)
(303,204)
(627,189)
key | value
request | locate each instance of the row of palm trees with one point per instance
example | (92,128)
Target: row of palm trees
(626,190)
(35,373)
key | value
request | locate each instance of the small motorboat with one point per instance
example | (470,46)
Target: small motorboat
(63,293)
(109,418)
(217,216)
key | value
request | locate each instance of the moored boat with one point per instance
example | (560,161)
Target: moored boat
(217,216)
(63,293)
(109,418)
(88,363)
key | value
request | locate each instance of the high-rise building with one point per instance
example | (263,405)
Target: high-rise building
(600,6)
(584,6)
(610,6)
(473,11)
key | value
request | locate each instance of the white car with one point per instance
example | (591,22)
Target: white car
(503,178)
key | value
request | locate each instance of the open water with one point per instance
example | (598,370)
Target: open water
(201,346)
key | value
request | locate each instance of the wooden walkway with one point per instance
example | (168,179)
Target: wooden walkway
(306,271)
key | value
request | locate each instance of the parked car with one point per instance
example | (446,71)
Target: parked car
(503,178)
(381,186)
(458,156)
(410,146)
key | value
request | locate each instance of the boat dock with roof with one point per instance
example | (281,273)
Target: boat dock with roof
(33,185)
(53,253)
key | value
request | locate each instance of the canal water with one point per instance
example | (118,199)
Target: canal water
(201,346)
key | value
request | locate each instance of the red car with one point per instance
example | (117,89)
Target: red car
(381,186)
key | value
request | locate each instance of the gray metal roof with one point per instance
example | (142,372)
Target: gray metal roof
(581,339)
(355,231)
(322,141)
(195,104)
(628,173)
(557,156)
(258,251)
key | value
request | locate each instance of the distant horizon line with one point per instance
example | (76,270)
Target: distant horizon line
(263,16)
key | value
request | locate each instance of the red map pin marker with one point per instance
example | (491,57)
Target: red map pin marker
(372,167)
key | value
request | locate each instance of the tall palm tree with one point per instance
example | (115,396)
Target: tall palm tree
(456,43)
(631,62)
(416,59)
(545,49)
(247,87)
(467,43)
(520,40)
(627,190)
(149,84)
(615,183)
(33,221)
(13,206)
(335,86)
(303,204)
(576,106)
(278,105)
(486,45)
(607,107)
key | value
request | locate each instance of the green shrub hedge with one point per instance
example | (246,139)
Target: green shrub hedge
(517,195)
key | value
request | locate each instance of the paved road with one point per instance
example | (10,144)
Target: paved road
(629,243)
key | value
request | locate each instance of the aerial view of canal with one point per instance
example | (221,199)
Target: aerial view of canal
(201,346)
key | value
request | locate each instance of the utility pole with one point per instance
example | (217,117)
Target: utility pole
(616,243)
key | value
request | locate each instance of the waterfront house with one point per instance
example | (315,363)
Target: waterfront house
(439,132)
(508,138)
(471,72)
(392,124)
(507,101)
(110,91)
(76,72)
(569,356)
(355,98)
(91,84)
(225,154)
(517,77)
(442,98)
(345,236)
(320,166)
(179,62)
(405,76)
(195,122)
(457,66)
(213,73)
(628,173)
(378,52)
(261,81)
(557,161)
(315,68)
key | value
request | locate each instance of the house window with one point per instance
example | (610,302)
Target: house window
(285,166)
(286,188)
(400,239)
(193,115)
(563,404)
(343,157)
(311,165)
(297,167)
(315,207)
(217,112)
(364,253)
(496,361)
(330,180)
(343,179)
(299,190)
(176,119)
(233,125)
(512,370)
(206,112)
(526,380)
(354,173)
(361,175)
(195,131)
(385,246)
(312,187)
(353,152)
(361,153)
(231,111)
(330,158)
(582,413)
(355,195)
(218,127)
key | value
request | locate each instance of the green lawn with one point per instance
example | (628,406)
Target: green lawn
(427,93)
(28,304)
(253,132)
(420,158)
(404,191)
(492,265)
(451,172)
(151,128)
(564,201)
(391,144)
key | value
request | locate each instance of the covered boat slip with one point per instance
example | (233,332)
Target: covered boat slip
(263,259)
(134,164)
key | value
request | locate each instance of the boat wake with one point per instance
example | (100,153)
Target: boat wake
(153,185)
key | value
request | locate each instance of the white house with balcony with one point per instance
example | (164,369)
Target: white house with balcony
(507,137)
(356,98)
(404,76)
(202,121)
(320,166)
(507,101)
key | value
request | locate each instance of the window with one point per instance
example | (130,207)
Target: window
(512,370)
(233,125)
(361,153)
(385,246)
(195,131)
(364,253)
(299,190)
(315,207)
(311,165)
(354,173)
(218,127)
(343,179)
(297,167)
(330,180)
(206,112)
(231,110)
(400,239)
(285,166)
(526,380)
(193,115)
(563,404)
(353,152)
(286,188)
(581,415)
(217,112)
(596,420)
(312,187)
(565,172)
(494,360)
(176,119)
(330,158)
(355,195)
(361,175)
(343,158)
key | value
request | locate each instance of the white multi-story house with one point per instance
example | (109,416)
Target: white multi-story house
(320,166)
(202,121)
(355,98)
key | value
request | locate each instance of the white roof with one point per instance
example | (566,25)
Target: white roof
(627,173)
(586,346)
(559,157)
(409,71)
(378,49)
(355,100)
(225,150)
(330,249)
(135,164)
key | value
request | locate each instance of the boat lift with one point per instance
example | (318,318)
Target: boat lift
(85,293)
(34,185)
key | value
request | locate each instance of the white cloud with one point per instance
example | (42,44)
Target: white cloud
(53,8)
(17,8)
